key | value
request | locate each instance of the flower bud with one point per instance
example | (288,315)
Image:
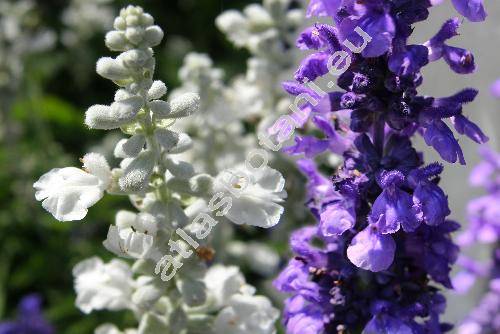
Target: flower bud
(116,41)
(136,176)
(180,169)
(100,117)
(147,20)
(185,143)
(122,94)
(112,69)
(130,147)
(119,23)
(157,90)
(184,105)
(153,36)
(147,295)
(167,139)
(160,109)
(134,58)
(134,34)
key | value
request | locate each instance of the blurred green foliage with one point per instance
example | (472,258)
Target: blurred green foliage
(45,127)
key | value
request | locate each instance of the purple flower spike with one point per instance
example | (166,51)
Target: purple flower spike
(371,250)
(473,10)
(381,201)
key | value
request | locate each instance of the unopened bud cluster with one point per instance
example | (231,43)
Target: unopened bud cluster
(137,108)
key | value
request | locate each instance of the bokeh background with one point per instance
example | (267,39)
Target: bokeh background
(45,90)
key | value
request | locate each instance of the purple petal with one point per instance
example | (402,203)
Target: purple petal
(438,135)
(336,219)
(471,9)
(460,60)
(468,128)
(372,251)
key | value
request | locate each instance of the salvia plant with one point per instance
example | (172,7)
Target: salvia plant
(381,249)
(165,279)
(484,228)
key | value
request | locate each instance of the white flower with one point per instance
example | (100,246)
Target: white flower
(67,193)
(247,314)
(223,282)
(254,195)
(103,286)
(133,235)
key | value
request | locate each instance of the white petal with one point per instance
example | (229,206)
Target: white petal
(67,193)
(103,286)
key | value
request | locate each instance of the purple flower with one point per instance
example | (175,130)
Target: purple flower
(471,9)
(337,218)
(371,250)
(438,135)
(29,318)
(393,207)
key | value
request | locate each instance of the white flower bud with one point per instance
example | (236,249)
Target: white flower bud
(167,139)
(131,147)
(119,23)
(99,117)
(132,20)
(111,117)
(160,109)
(157,90)
(134,34)
(181,169)
(185,143)
(134,58)
(112,69)
(153,36)
(116,40)
(122,94)
(146,295)
(184,105)
(147,20)
(136,176)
